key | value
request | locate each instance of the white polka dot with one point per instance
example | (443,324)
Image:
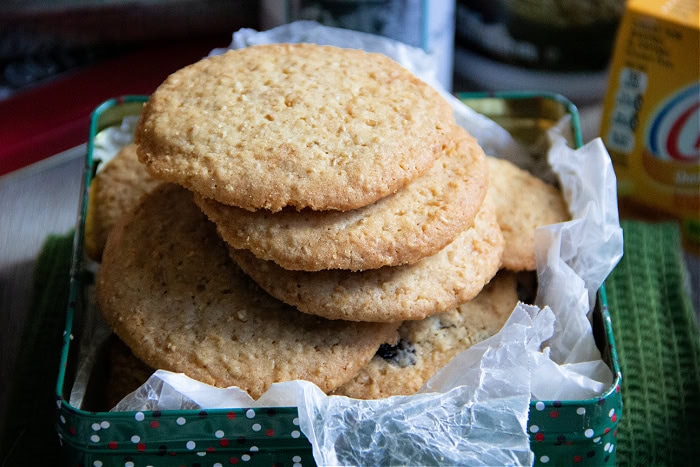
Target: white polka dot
(202,453)
(128,464)
(218,464)
(219,434)
(539,405)
(611,413)
(95,427)
(135,439)
(245,457)
(256,427)
(139,416)
(296,421)
(190,445)
(596,440)
(63,419)
(581,410)
(296,459)
(97,464)
(612,447)
(95,439)
(250,413)
(254,449)
(544,459)
(589,433)
(534,428)
(606,447)
(180,421)
(105,424)
(295,434)
(296,464)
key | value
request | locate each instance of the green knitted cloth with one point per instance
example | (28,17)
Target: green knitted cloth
(654,325)
(658,346)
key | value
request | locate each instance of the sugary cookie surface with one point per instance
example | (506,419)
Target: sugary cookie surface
(114,191)
(523,202)
(170,291)
(296,125)
(437,283)
(415,222)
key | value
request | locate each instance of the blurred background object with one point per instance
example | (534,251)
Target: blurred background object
(42,39)
(651,117)
(59,59)
(560,46)
(425,24)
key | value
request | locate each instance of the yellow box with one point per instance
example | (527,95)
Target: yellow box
(651,117)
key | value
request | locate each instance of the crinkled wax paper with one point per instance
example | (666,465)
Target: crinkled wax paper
(473,411)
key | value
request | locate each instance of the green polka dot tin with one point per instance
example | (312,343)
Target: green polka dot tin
(566,432)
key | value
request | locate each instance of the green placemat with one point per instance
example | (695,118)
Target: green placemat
(653,321)
(658,346)
(29,436)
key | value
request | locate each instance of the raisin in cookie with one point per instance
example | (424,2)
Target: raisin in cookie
(427,345)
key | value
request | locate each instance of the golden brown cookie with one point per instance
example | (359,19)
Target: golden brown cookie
(523,202)
(434,284)
(170,291)
(299,125)
(417,221)
(427,345)
(115,190)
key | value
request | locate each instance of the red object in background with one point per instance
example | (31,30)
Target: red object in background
(54,117)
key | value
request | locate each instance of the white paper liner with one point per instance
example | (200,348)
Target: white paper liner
(474,411)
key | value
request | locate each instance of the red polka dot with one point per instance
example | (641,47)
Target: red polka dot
(141,447)
(614,418)
(233,460)
(615,433)
(539,437)
(72,430)
(606,431)
(112,445)
(554,414)
(578,459)
(231,415)
(210,449)
(154,424)
(617,388)
(270,432)
(223,442)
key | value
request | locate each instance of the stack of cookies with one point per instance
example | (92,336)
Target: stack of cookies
(318,215)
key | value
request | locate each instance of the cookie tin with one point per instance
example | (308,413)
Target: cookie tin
(561,432)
